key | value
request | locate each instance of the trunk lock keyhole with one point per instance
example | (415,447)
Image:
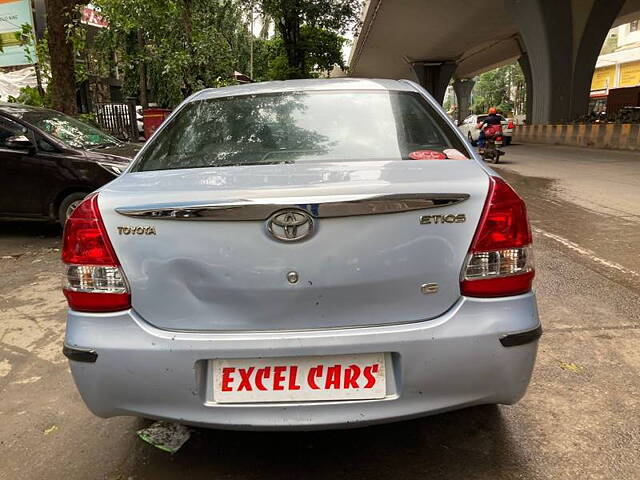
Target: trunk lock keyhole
(292,277)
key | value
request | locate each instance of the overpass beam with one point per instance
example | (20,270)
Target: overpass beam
(463,88)
(435,77)
(562,42)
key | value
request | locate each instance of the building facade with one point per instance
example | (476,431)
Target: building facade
(619,68)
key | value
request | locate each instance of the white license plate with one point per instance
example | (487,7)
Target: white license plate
(299,379)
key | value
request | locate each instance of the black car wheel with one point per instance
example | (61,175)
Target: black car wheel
(68,205)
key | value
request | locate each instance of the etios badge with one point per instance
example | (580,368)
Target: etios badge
(290,225)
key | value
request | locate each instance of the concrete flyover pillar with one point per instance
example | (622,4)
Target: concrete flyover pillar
(463,88)
(525,66)
(435,77)
(562,40)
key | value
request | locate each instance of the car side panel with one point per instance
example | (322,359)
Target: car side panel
(68,172)
(34,182)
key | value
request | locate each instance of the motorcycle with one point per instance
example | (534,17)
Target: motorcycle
(493,143)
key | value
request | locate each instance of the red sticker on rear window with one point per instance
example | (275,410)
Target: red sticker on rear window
(427,155)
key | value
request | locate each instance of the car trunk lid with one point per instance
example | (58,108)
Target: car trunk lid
(389,240)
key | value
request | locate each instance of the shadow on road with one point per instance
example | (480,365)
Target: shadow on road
(502,161)
(471,443)
(17,238)
(29,229)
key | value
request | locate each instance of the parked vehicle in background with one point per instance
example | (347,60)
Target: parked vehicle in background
(469,128)
(511,125)
(50,162)
(622,103)
(598,105)
(301,254)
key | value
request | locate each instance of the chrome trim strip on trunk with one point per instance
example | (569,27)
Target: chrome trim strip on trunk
(318,207)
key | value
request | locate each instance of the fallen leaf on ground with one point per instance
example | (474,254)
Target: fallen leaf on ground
(570,367)
(51,429)
(26,380)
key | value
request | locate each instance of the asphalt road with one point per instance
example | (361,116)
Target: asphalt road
(579,419)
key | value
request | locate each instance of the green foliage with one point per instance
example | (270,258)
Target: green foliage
(335,15)
(323,48)
(446,105)
(279,68)
(503,88)
(29,96)
(309,33)
(27,39)
(44,61)
(89,119)
(35,96)
(184,45)
(265,54)
(177,47)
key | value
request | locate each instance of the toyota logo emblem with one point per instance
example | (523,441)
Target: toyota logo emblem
(290,225)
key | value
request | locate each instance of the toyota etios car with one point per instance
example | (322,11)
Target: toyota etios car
(301,254)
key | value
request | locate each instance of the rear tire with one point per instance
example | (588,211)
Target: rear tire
(68,205)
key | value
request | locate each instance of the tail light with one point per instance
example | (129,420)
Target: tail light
(510,124)
(500,261)
(93,281)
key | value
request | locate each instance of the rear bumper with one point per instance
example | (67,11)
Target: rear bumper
(456,360)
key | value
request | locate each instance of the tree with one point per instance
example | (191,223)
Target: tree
(168,49)
(88,65)
(62,89)
(503,88)
(176,47)
(309,31)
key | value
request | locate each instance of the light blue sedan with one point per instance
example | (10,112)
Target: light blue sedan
(301,254)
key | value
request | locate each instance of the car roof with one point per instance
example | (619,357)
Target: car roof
(305,85)
(19,108)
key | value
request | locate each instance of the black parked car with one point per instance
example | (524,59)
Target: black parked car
(50,161)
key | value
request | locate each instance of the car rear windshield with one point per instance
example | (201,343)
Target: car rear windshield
(299,126)
(68,130)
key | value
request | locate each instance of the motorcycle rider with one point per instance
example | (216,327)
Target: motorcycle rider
(491,120)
